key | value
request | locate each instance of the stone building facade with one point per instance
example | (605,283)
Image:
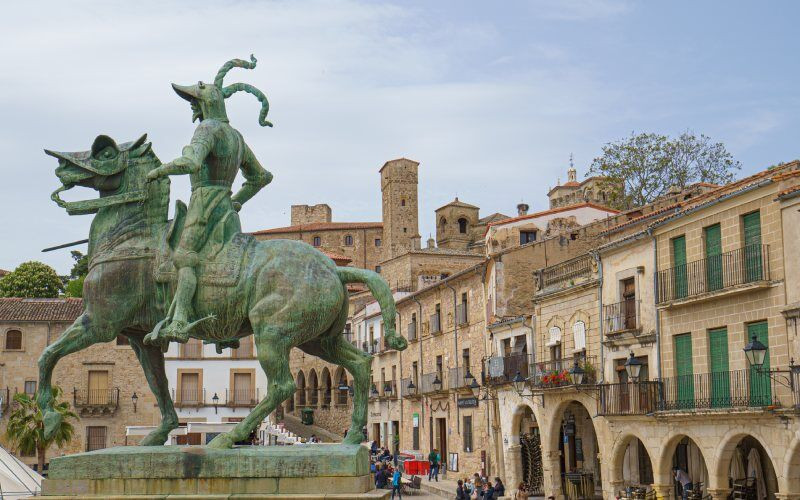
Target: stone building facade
(593,189)
(98,382)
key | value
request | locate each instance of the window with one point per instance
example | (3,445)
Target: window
(466,430)
(442,222)
(190,388)
(98,387)
(462,226)
(123,340)
(579,335)
(465,360)
(526,237)
(348,240)
(378,269)
(684,370)
(403,202)
(377,242)
(461,310)
(317,241)
(95,438)
(13,340)
(30,387)
(405,229)
(439,365)
(415,373)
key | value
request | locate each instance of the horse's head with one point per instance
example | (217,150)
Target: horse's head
(117,172)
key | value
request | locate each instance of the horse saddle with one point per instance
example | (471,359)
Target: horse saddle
(221,257)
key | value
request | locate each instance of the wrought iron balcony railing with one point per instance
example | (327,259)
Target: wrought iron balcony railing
(456,378)
(555,373)
(566,272)
(744,265)
(501,370)
(622,316)
(427,384)
(96,398)
(728,389)
(189,397)
(405,391)
(629,398)
(241,397)
(795,383)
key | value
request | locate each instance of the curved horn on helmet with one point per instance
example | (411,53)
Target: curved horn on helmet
(245,87)
(233,63)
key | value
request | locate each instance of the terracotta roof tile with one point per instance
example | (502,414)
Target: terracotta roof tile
(320,226)
(789,190)
(19,309)
(3,272)
(339,259)
(552,211)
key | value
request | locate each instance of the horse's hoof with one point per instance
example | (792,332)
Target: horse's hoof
(52,421)
(221,442)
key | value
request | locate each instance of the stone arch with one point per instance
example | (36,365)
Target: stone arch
(300,382)
(325,380)
(313,388)
(719,477)
(791,467)
(340,379)
(663,468)
(463,225)
(620,448)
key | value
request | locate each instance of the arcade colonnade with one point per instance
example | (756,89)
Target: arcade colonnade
(617,452)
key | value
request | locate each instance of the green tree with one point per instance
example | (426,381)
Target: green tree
(25,428)
(31,279)
(73,284)
(645,166)
(74,287)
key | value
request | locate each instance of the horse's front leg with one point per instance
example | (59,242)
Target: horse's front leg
(80,335)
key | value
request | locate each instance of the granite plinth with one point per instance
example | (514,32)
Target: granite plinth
(313,471)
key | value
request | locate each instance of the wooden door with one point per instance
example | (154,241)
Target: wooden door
(680,286)
(753,265)
(190,387)
(713,242)
(242,388)
(684,371)
(720,376)
(629,303)
(98,387)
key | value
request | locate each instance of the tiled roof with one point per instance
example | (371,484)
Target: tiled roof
(574,183)
(339,259)
(3,272)
(456,203)
(18,309)
(495,217)
(789,191)
(320,226)
(553,211)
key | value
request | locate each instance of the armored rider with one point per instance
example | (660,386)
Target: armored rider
(212,159)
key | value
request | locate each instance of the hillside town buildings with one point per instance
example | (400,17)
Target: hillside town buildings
(581,350)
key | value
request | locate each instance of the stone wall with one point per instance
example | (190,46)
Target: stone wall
(366,250)
(309,214)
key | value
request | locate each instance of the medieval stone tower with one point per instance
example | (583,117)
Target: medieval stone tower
(400,208)
(456,223)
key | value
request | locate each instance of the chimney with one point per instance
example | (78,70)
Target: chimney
(522,209)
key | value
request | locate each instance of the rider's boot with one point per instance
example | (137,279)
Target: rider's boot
(176,325)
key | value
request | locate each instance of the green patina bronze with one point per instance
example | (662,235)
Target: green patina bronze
(156,280)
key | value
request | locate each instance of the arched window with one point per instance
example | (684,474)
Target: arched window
(317,241)
(579,335)
(462,225)
(442,222)
(348,240)
(301,389)
(13,340)
(313,388)
(403,202)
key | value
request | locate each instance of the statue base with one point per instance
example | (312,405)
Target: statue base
(320,471)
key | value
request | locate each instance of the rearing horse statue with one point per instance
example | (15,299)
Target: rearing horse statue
(285,293)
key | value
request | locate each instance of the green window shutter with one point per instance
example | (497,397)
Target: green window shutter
(760,384)
(720,376)
(751,226)
(684,371)
(679,268)
(713,240)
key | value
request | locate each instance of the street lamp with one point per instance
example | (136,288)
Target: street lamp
(519,383)
(633,367)
(215,400)
(387,389)
(134,400)
(437,383)
(412,388)
(474,387)
(576,374)
(756,353)
(374,391)
(469,378)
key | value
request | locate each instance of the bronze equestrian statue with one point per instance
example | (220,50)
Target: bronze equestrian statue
(155,280)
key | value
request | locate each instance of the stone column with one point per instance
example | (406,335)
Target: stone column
(614,487)
(513,460)
(663,491)
(552,473)
(787,496)
(719,493)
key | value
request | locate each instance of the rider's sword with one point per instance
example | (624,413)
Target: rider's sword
(66,245)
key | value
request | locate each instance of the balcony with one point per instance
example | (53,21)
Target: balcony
(716,273)
(729,389)
(405,391)
(461,313)
(795,381)
(502,369)
(189,398)
(370,348)
(622,317)
(629,398)
(241,398)
(436,323)
(389,394)
(555,373)
(457,377)
(564,275)
(412,331)
(427,386)
(96,401)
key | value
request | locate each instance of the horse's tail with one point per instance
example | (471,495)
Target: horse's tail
(383,294)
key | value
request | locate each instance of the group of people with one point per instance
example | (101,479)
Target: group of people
(480,488)
(387,477)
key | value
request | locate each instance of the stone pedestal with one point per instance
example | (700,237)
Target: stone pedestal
(308,472)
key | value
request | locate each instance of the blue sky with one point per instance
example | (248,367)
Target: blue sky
(490,97)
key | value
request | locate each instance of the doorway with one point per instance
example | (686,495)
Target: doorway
(441,442)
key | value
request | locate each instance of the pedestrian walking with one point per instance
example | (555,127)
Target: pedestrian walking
(433,459)
(397,484)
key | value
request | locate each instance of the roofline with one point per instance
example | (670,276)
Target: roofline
(450,278)
(398,159)
(458,204)
(579,183)
(587,204)
(299,228)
